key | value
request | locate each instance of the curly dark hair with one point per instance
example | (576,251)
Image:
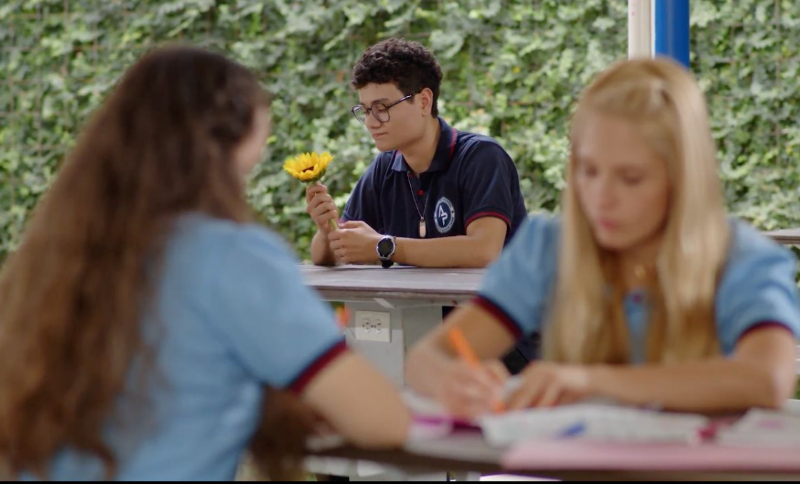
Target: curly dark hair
(406,64)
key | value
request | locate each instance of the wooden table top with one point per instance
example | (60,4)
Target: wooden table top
(469,452)
(785,236)
(357,282)
(367,282)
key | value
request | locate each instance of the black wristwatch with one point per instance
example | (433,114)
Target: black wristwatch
(385,250)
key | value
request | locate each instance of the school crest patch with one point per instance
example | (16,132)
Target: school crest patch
(444,215)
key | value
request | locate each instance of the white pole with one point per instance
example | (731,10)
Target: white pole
(640,30)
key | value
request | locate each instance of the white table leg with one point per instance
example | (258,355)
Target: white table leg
(408,322)
(407,326)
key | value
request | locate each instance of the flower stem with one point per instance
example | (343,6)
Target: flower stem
(334,225)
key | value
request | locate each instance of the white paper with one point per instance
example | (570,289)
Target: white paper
(592,421)
(763,428)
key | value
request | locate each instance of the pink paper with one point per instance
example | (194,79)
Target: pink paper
(587,455)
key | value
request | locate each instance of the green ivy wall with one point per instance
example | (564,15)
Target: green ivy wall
(512,69)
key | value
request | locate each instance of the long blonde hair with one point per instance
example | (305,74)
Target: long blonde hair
(588,324)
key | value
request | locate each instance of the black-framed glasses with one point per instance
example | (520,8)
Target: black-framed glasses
(379,110)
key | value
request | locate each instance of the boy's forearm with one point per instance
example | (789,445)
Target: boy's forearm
(458,251)
(321,253)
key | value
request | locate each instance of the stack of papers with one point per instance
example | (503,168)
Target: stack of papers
(431,419)
(604,421)
(763,428)
(592,421)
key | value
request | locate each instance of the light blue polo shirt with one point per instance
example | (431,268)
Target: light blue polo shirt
(757,286)
(233,315)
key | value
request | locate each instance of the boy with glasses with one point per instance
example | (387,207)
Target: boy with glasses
(433,197)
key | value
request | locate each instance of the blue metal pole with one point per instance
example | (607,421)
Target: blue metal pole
(672,29)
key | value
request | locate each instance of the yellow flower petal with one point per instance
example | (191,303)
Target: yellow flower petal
(308,167)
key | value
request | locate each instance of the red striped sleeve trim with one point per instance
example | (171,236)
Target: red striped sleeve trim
(307,375)
(501,316)
(487,214)
(764,325)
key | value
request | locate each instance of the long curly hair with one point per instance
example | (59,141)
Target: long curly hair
(72,295)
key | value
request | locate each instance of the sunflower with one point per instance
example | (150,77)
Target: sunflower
(308,167)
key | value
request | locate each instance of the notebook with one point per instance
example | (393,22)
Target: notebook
(428,411)
(593,421)
(431,419)
(763,428)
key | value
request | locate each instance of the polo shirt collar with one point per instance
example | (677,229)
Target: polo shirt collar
(442,156)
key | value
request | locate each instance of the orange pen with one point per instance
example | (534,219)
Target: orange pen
(465,351)
(342,316)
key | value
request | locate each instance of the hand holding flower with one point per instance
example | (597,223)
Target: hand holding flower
(310,168)
(320,205)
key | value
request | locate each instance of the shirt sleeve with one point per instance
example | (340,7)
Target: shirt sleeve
(364,202)
(490,183)
(757,287)
(276,326)
(517,287)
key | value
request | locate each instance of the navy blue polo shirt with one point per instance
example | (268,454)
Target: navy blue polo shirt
(471,176)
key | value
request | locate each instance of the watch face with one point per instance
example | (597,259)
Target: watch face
(385,247)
